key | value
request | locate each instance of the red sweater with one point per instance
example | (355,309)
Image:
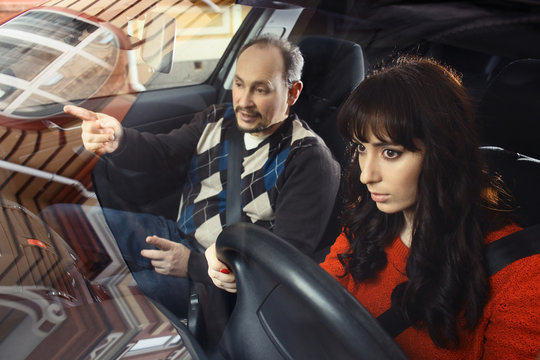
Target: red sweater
(508,329)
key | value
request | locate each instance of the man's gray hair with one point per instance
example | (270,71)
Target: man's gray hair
(292,57)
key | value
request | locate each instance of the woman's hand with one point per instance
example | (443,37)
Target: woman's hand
(221,276)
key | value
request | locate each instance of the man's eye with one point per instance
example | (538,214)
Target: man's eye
(391,154)
(237,84)
(262,90)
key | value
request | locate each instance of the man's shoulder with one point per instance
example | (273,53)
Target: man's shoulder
(305,137)
(305,144)
(300,130)
(217,112)
(213,118)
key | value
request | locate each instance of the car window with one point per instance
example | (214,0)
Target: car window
(202,36)
(75,57)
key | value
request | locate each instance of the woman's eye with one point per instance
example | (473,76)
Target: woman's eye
(360,148)
(391,154)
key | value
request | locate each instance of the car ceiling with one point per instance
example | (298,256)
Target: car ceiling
(500,28)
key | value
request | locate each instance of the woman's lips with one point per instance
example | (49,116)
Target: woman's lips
(379,197)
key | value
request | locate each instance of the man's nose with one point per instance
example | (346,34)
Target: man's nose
(369,169)
(245,98)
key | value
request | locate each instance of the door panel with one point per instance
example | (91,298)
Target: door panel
(161,111)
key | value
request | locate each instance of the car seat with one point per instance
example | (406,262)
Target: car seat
(508,111)
(288,307)
(332,69)
(521,175)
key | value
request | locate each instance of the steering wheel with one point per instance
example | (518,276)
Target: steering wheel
(288,307)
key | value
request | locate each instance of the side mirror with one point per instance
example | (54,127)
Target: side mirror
(159,39)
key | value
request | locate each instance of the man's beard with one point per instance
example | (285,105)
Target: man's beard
(260,127)
(257,129)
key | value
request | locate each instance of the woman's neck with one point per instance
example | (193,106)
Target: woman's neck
(406,232)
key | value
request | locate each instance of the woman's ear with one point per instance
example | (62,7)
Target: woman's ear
(294,92)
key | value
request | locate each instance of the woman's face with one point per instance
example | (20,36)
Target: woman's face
(390,173)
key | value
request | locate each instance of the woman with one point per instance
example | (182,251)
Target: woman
(419,213)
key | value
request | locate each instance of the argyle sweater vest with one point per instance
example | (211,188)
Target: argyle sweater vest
(202,212)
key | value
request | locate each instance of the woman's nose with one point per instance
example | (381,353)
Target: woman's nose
(369,169)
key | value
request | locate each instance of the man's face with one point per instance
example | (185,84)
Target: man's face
(261,97)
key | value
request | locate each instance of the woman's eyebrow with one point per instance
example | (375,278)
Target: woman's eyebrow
(383,144)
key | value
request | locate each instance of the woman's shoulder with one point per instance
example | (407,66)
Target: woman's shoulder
(506,230)
(518,273)
(513,308)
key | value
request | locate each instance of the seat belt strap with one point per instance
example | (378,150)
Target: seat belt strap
(498,254)
(511,248)
(234,170)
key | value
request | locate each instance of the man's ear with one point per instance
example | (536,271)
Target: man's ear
(294,92)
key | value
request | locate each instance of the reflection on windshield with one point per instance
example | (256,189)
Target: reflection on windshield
(59,283)
(53,26)
(46,56)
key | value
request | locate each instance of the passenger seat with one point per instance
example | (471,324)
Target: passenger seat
(332,69)
(509,111)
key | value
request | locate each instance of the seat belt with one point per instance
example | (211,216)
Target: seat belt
(233,215)
(498,254)
(511,248)
(234,170)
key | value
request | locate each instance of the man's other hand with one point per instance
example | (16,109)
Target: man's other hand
(171,258)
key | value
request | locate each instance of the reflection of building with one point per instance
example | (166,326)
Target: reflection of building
(65,289)
(66,52)
(60,270)
(12,7)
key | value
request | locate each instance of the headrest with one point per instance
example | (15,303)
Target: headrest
(332,69)
(509,112)
(521,174)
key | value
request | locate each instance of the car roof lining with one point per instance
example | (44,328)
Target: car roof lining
(466,25)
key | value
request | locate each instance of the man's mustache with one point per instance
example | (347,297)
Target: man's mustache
(247,111)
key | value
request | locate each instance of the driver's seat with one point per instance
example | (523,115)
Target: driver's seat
(288,307)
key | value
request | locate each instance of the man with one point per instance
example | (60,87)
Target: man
(289,179)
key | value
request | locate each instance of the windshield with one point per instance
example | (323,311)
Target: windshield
(42,51)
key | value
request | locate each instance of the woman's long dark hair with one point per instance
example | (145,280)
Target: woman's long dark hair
(420,99)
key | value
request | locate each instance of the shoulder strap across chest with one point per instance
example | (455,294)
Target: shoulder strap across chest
(498,254)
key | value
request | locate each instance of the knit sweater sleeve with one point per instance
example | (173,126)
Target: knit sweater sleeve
(148,152)
(513,330)
(331,263)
